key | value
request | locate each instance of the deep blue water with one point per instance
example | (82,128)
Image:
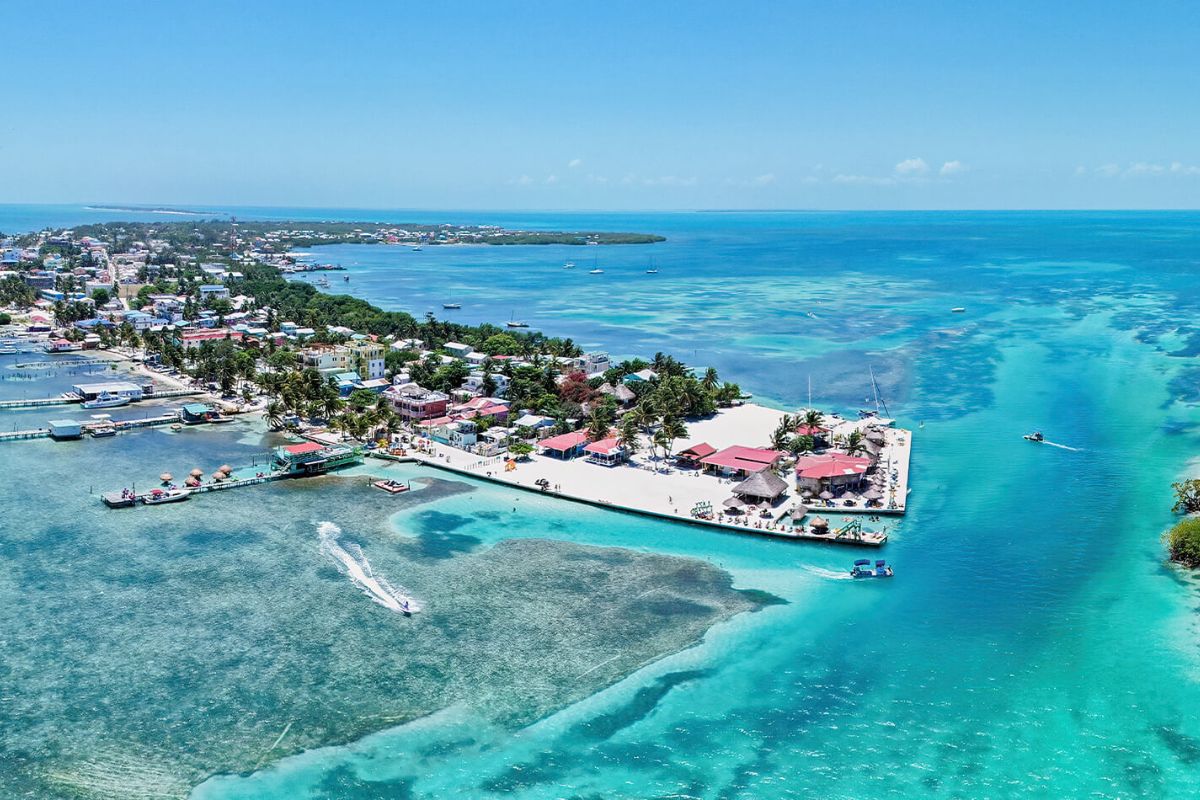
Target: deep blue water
(1034,642)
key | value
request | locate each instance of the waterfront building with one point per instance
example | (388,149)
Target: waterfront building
(740,461)
(195,338)
(90,391)
(327,359)
(607,452)
(566,445)
(830,472)
(313,458)
(694,454)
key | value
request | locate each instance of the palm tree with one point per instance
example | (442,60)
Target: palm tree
(854,443)
(273,414)
(812,419)
(628,435)
(783,432)
(672,429)
(710,381)
(330,404)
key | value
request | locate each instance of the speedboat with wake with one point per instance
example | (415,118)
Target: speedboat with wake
(1036,436)
(863,569)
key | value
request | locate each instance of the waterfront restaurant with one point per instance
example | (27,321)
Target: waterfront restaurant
(832,472)
(90,391)
(607,452)
(313,458)
(761,487)
(740,461)
(567,445)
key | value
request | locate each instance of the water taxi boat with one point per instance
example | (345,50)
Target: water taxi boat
(1036,436)
(863,569)
(103,430)
(159,496)
(106,400)
(392,487)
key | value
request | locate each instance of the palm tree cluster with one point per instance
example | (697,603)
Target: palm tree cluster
(303,393)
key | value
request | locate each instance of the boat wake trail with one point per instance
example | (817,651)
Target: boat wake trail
(352,563)
(1062,446)
(828,574)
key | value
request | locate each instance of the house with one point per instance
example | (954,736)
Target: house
(540,425)
(214,291)
(346,382)
(481,407)
(327,359)
(566,445)
(474,383)
(63,346)
(194,338)
(621,393)
(607,452)
(368,358)
(460,433)
(415,403)
(457,349)
(741,461)
(641,376)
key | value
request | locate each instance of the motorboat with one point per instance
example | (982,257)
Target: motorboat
(596,271)
(452,306)
(416,248)
(863,569)
(103,430)
(569,265)
(958,310)
(159,496)
(1036,436)
(106,400)
(651,272)
(392,487)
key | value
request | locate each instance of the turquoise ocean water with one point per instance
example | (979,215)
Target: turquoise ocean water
(1033,643)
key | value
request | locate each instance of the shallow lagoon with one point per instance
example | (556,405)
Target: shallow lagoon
(1032,643)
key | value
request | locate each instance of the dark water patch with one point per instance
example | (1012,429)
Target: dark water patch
(644,701)
(343,782)
(1186,748)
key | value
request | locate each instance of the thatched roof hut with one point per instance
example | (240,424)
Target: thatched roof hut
(762,485)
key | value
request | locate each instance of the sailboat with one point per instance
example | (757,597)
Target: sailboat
(451,306)
(595,269)
(569,265)
(513,322)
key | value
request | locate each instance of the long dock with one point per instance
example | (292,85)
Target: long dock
(81,362)
(64,400)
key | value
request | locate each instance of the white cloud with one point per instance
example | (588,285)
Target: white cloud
(863,180)
(670,180)
(1143,169)
(524,180)
(551,179)
(575,162)
(1081,170)
(952,168)
(912,166)
(596,179)
(1184,169)
(766,179)
(1109,170)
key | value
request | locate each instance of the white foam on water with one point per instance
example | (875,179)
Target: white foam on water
(828,574)
(353,563)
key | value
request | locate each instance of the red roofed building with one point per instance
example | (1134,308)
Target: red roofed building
(691,456)
(608,452)
(741,461)
(189,339)
(830,471)
(567,445)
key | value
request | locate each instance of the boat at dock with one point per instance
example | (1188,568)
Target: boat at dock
(863,569)
(159,496)
(1036,436)
(106,400)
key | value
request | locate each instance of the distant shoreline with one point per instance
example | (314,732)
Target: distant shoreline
(141,210)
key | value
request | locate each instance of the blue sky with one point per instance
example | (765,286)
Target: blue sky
(615,105)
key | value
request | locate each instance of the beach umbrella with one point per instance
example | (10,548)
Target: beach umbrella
(225,468)
(873,494)
(196,473)
(826,495)
(799,510)
(820,522)
(218,476)
(733,502)
(166,477)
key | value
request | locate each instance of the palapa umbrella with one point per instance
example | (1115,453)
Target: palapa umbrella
(873,494)
(166,477)
(820,522)
(826,495)
(196,473)
(799,510)
(218,476)
(225,468)
(733,502)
